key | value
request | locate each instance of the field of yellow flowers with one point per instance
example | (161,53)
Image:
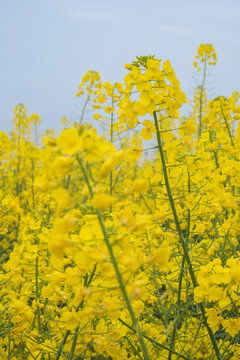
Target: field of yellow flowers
(107,253)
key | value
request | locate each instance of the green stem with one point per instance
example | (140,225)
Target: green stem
(156,342)
(84,107)
(161,314)
(59,352)
(228,129)
(201,98)
(181,238)
(180,280)
(37,296)
(80,306)
(36,134)
(9,339)
(135,350)
(111,134)
(74,342)
(33,195)
(116,268)
(174,331)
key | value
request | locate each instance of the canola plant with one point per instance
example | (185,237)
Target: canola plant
(106,253)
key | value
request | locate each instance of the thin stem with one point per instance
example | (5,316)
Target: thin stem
(33,195)
(201,98)
(116,268)
(134,349)
(228,129)
(174,331)
(9,339)
(37,296)
(84,107)
(74,342)
(59,352)
(36,134)
(164,321)
(111,135)
(181,238)
(156,342)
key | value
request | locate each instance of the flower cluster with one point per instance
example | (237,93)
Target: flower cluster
(107,253)
(156,88)
(205,54)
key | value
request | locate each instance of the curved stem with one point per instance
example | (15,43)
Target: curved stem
(84,107)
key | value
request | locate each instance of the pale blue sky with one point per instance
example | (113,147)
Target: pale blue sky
(48,45)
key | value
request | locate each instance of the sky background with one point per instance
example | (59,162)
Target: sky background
(48,45)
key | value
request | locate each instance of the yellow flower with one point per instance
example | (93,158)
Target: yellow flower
(69,141)
(205,53)
(96,116)
(161,255)
(110,164)
(62,199)
(140,185)
(148,130)
(42,184)
(103,201)
(128,66)
(153,64)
